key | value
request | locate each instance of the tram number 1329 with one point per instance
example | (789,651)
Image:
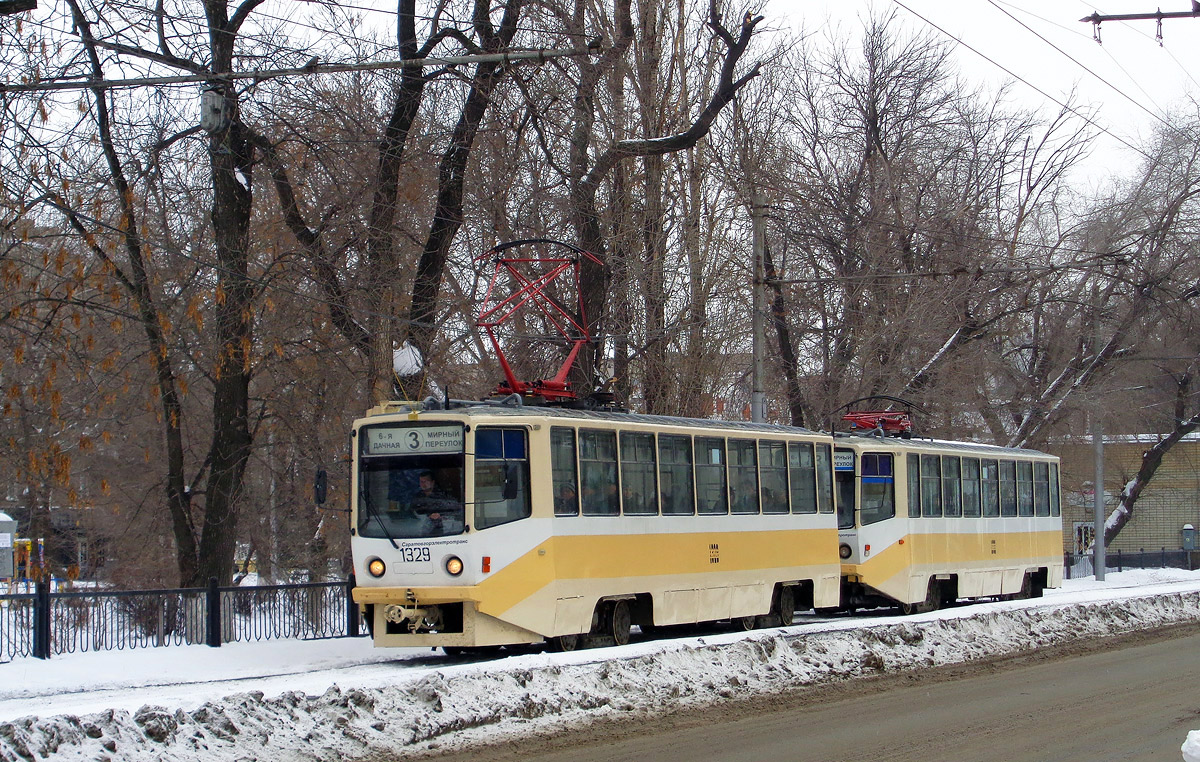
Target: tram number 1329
(417,554)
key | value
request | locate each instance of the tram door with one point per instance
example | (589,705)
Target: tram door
(845,494)
(866,500)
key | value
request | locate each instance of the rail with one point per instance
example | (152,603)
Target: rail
(44,623)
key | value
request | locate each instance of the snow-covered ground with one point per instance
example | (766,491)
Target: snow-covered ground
(343,700)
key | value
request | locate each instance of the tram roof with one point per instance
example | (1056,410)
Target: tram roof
(574,414)
(521,411)
(975,448)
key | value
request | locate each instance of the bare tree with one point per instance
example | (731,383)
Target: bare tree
(898,228)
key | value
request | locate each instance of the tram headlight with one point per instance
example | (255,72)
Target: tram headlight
(844,551)
(454,566)
(376,567)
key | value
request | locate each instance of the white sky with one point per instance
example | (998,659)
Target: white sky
(346,700)
(1143,79)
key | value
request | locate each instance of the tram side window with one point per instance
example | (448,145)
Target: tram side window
(675,475)
(931,485)
(878,488)
(989,477)
(1041,489)
(598,472)
(804,477)
(501,466)
(1055,509)
(1024,488)
(772,469)
(970,487)
(743,476)
(564,471)
(639,492)
(825,478)
(951,487)
(711,494)
(914,486)
(1008,488)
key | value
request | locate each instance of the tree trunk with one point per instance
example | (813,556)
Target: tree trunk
(448,215)
(1151,460)
(787,352)
(231,158)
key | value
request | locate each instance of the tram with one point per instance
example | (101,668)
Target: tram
(922,523)
(500,524)
(493,523)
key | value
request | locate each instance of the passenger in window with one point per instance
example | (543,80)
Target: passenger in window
(565,501)
(612,504)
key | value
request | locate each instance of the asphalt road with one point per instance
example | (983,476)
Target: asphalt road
(1132,699)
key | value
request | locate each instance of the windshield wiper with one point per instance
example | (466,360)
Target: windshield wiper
(366,499)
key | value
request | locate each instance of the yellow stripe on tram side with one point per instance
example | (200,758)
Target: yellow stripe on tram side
(947,552)
(648,556)
(882,565)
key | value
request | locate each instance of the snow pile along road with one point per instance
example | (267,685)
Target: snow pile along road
(453,705)
(1191,747)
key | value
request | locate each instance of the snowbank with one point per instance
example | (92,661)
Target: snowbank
(1191,747)
(418,703)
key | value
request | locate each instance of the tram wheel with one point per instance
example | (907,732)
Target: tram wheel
(933,598)
(932,602)
(748,622)
(785,606)
(1026,588)
(1036,588)
(620,622)
(565,643)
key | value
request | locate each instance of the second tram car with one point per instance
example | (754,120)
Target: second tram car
(493,524)
(923,523)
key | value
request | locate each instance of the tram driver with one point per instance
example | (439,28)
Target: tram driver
(432,501)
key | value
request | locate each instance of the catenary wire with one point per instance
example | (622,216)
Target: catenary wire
(1027,83)
(1083,66)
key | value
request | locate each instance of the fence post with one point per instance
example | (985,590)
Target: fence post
(351,609)
(213,634)
(41,620)
(1120,566)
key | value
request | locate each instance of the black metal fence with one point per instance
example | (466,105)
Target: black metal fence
(1076,565)
(44,623)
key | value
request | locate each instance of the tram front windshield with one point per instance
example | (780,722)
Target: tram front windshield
(410,481)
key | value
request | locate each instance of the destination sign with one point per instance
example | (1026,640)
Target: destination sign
(414,440)
(843,460)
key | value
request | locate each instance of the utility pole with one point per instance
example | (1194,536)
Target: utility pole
(1098,503)
(1096,18)
(758,397)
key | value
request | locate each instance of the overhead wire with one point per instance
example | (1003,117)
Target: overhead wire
(1156,116)
(1137,30)
(1027,83)
(927,274)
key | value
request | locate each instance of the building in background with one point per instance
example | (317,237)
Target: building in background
(1170,503)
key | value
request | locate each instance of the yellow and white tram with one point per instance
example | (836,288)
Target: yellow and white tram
(922,523)
(494,524)
(498,524)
